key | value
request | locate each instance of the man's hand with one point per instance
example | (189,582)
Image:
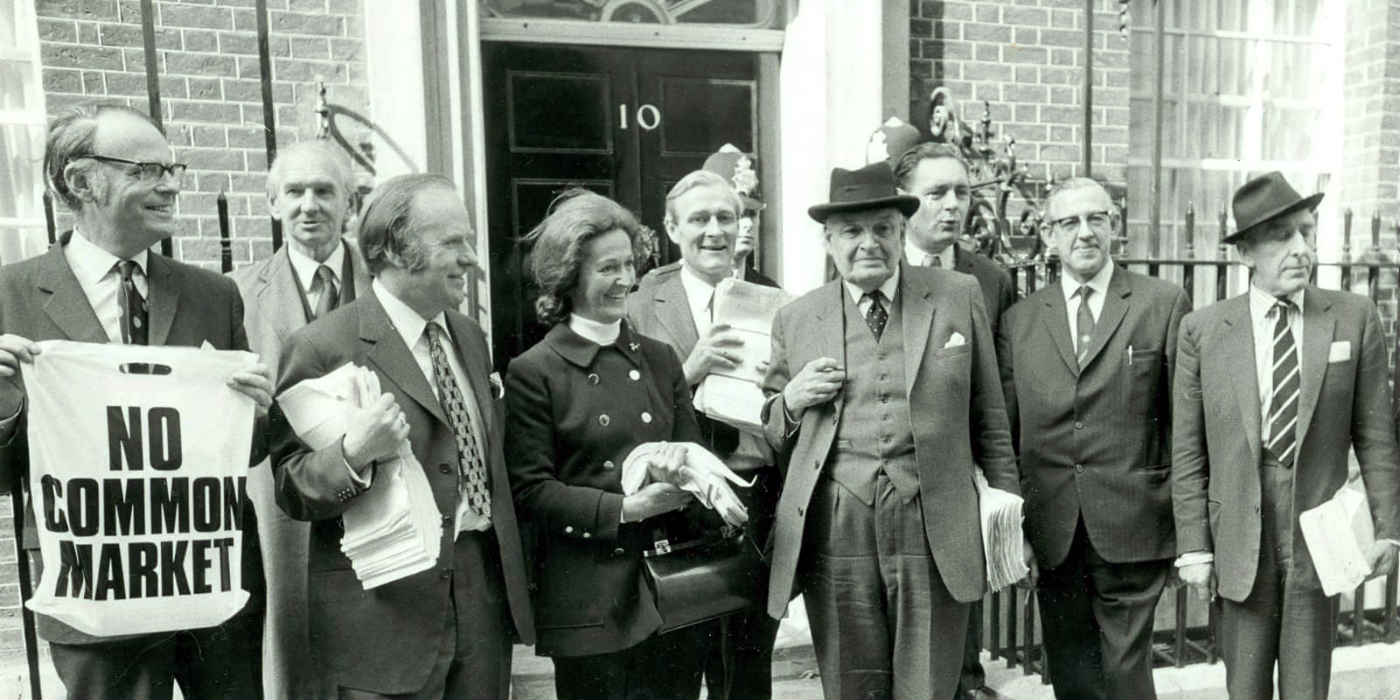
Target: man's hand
(654,499)
(255,382)
(374,432)
(818,382)
(1032,576)
(14,350)
(1201,577)
(717,349)
(1382,559)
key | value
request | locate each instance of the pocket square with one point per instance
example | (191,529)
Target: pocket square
(1339,352)
(955,340)
(498,390)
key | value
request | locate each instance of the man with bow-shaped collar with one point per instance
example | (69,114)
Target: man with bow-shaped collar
(1086,364)
(1273,388)
(445,631)
(884,395)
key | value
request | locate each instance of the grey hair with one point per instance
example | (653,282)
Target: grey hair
(701,178)
(1075,183)
(71,136)
(388,217)
(341,170)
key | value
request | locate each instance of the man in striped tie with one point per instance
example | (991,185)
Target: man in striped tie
(1273,387)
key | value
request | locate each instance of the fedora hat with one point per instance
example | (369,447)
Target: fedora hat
(871,187)
(737,168)
(1265,197)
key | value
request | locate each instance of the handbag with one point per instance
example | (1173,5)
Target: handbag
(705,578)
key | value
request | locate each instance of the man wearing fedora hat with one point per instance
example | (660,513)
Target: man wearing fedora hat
(884,393)
(1272,389)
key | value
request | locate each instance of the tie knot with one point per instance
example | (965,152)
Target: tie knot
(1085,291)
(875,296)
(434,331)
(324,275)
(1284,305)
(127,268)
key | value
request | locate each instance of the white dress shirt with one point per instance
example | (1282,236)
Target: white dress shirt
(602,334)
(1263,317)
(699,294)
(411,328)
(863,302)
(305,268)
(921,258)
(100,281)
(1070,287)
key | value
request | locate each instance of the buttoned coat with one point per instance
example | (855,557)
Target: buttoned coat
(569,437)
(1095,443)
(387,639)
(956,410)
(1343,404)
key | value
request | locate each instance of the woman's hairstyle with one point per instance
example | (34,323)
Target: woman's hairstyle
(576,217)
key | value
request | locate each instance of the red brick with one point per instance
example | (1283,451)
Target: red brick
(200,64)
(311,47)
(988,52)
(987,71)
(988,12)
(60,30)
(201,40)
(62,80)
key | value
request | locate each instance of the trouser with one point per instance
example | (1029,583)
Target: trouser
(973,676)
(739,662)
(1280,620)
(1096,622)
(288,669)
(660,667)
(879,610)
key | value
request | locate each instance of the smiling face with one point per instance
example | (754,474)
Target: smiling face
(1281,254)
(704,223)
(944,193)
(443,234)
(607,271)
(1082,222)
(865,246)
(311,202)
(130,211)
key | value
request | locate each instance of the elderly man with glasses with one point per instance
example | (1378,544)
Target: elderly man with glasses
(1087,368)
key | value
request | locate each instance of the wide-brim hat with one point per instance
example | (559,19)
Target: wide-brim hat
(871,187)
(1266,197)
(740,170)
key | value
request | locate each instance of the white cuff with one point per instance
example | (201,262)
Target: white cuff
(362,482)
(1191,558)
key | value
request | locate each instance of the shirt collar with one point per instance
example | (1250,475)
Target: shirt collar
(305,266)
(405,320)
(1098,283)
(697,291)
(91,263)
(890,286)
(1262,302)
(916,255)
(595,331)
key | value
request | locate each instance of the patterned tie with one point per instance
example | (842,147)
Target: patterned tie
(329,298)
(133,306)
(1283,402)
(471,467)
(1084,320)
(876,317)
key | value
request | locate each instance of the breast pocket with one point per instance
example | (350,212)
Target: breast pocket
(1143,385)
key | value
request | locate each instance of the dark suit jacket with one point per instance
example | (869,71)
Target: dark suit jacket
(998,289)
(955,406)
(566,469)
(387,639)
(1095,443)
(1344,403)
(40,299)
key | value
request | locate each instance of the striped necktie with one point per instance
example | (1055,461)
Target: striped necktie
(1283,401)
(133,306)
(1084,325)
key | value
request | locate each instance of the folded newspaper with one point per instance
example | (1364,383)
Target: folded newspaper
(1002,540)
(735,396)
(393,529)
(1339,532)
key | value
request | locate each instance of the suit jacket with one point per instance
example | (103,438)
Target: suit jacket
(998,289)
(1344,403)
(387,639)
(40,299)
(956,409)
(566,468)
(1095,443)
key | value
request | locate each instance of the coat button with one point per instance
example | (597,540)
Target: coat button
(618,551)
(593,379)
(604,420)
(607,464)
(1079,468)
(817,465)
(446,520)
(445,574)
(445,468)
(799,512)
(646,417)
(568,529)
(1078,425)
(587,535)
(634,375)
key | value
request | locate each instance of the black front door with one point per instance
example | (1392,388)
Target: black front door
(626,123)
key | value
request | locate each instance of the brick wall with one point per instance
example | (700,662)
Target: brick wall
(1027,61)
(211,95)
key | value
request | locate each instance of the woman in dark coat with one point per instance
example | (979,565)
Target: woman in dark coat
(578,402)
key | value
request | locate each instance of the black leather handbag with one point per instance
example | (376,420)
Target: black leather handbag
(705,578)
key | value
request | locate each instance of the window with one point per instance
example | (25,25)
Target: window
(22,121)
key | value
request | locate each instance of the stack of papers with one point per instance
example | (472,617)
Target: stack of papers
(393,529)
(1002,540)
(1339,533)
(736,396)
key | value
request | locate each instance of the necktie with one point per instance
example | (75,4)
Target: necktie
(471,466)
(1084,322)
(1283,402)
(875,315)
(133,306)
(329,298)
(933,261)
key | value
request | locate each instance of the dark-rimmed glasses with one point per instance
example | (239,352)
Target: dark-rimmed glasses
(148,171)
(1098,221)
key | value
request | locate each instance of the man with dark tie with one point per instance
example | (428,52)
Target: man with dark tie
(309,189)
(884,395)
(1273,389)
(1087,366)
(112,166)
(445,632)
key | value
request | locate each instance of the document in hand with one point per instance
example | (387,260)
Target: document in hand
(1002,541)
(736,396)
(1338,534)
(392,530)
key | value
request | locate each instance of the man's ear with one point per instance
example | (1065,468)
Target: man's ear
(670,224)
(81,181)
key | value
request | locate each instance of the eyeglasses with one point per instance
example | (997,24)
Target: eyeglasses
(1098,221)
(147,171)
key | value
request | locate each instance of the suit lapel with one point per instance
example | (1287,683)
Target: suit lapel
(164,297)
(474,366)
(1115,307)
(357,263)
(1057,325)
(1318,325)
(66,304)
(280,298)
(1239,351)
(917,312)
(673,312)
(388,352)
